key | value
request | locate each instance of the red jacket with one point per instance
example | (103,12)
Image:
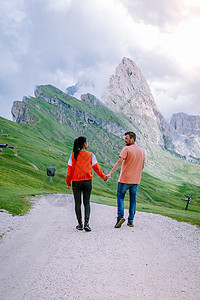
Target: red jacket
(81,169)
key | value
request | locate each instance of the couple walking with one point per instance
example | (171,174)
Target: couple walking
(79,171)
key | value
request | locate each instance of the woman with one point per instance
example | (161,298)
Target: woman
(79,171)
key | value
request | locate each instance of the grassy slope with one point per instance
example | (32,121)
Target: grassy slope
(48,143)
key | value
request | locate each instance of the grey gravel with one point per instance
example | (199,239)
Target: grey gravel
(43,256)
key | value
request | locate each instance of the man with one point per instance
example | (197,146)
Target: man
(132,160)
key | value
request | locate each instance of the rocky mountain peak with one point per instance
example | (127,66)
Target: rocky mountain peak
(129,89)
(129,93)
(186,124)
(133,75)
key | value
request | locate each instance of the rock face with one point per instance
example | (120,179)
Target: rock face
(128,92)
(20,112)
(189,128)
(90,99)
(185,124)
(128,88)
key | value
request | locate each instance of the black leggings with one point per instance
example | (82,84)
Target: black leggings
(84,186)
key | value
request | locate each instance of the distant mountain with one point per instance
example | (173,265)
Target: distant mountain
(80,87)
(128,93)
(189,128)
(71,90)
(186,125)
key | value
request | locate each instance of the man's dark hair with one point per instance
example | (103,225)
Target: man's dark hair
(131,134)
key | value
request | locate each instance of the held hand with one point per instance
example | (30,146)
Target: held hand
(107,177)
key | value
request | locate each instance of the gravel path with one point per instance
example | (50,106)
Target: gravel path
(43,256)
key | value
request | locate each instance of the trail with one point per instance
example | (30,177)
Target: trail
(43,256)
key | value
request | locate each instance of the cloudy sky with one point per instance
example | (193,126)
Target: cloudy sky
(62,41)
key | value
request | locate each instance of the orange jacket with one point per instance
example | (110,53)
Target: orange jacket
(81,169)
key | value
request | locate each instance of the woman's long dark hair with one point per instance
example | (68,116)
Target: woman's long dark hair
(78,145)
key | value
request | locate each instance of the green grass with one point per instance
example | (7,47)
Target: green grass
(165,180)
(180,215)
(158,197)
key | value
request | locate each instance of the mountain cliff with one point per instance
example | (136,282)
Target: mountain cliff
(189,128)
(186,124)
(129,93)
(21,113)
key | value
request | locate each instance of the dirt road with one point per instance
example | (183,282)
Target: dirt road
(43,256)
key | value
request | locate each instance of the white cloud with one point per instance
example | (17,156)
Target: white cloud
(177,94)
(158,13)
(60,42)
(58,5)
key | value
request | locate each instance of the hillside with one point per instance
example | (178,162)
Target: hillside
(55,120)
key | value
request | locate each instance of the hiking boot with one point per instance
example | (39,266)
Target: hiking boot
(120,221)
(130,224)
(79,227)
(87,227)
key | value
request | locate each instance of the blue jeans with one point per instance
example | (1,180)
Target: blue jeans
(121,191)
